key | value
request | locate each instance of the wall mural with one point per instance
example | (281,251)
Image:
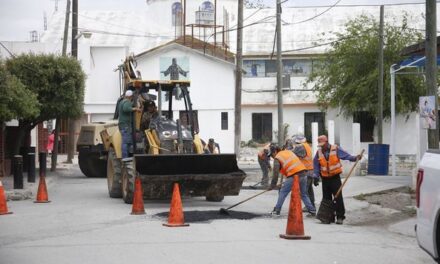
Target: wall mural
(174,68)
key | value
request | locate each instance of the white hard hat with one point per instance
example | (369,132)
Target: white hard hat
(129,93)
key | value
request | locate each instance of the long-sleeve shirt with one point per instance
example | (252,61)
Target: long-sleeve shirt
(342,154)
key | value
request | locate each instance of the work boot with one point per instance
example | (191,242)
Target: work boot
(311,214)
(305,210)
(275,212)
(339,220)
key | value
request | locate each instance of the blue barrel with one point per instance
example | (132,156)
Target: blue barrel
(378,159)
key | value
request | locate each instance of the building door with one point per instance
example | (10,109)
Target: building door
(262,127)
(309,118)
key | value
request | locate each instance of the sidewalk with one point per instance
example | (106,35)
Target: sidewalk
(30,189)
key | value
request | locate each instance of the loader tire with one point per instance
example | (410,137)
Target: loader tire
(114,174)
(91,164)
(128,177)
(215,198)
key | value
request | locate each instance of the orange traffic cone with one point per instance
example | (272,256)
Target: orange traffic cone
(3,205)
(42,196)
(138,199)
(295,226)
(175,218)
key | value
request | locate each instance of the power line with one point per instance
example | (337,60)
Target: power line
(358,5)
(320,14)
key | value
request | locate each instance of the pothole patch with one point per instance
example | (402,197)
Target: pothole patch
(211,215)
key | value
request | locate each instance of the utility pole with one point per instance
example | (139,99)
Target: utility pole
(66,28)
(279,77)
(431,66)
(72,122)
(238,80)
(380,95)
(54,157)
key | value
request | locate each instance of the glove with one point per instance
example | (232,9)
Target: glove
(358,157)
(316,181)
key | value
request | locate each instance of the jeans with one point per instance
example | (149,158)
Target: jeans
(287,188)
(310,191)
(126,141)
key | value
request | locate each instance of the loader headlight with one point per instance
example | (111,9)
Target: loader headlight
(166,134)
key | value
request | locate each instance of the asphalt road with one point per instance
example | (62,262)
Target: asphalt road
(83,225)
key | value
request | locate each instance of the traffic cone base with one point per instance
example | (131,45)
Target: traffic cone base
(295,237)
(175,217)
(42,196)
(175,225)
(138,199)
(3,205)
(295,225)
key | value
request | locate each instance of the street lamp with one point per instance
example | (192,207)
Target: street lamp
(86,34)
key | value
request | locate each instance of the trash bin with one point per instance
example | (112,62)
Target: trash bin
(378,159)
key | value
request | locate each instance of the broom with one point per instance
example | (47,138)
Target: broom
(327,208)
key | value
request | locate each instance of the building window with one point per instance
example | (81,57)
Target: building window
(262,127)
(254,68)
(184,117)
(367,122)
(224,120)
(268,68)
(309,118)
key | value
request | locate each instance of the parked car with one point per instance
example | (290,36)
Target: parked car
(428,203)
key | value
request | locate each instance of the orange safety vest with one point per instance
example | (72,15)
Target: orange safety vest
(290,163)
(333,165)
(308,159)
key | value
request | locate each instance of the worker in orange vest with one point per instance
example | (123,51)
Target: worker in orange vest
(264,161)
(286,162)
(327,165)
(304,152)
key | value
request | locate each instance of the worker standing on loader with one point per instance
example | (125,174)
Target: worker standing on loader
(289,165)
(150,113)
(125,122)
(327,164)
(264,161)
(304,152)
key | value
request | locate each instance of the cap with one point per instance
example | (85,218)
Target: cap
(129,93)
(299,139)
(211,140)
(273,148)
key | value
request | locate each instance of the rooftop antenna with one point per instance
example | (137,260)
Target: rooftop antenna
(56,5)
(45,21)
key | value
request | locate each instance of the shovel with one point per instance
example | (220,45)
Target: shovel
(225,211)
(327,208)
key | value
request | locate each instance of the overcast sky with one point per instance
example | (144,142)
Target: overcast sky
(19,17)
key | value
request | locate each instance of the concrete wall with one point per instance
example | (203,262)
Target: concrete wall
(102,85)
(212,90)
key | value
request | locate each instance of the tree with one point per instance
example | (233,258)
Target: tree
(58,82)
(16,101)
(347,78)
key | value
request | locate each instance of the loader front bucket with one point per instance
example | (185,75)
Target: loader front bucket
(211,175)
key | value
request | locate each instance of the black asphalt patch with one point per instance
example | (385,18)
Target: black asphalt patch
(207,216)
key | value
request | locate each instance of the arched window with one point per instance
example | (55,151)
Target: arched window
(176,13)
(207,6)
